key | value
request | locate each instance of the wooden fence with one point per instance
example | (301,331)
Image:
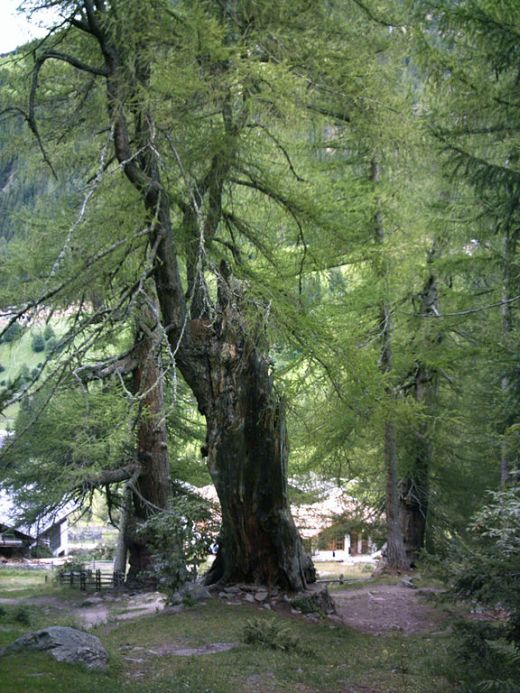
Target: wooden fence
(91,578)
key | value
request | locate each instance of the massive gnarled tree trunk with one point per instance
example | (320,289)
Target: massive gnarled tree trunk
(227,372)
(247,452)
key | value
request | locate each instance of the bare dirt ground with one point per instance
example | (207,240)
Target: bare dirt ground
(380,609)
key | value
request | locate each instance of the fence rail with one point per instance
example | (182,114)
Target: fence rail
(91,578)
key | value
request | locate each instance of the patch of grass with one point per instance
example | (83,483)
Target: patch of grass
(22,615)
(350,571)
(40,673)
(19,353)
(24,583)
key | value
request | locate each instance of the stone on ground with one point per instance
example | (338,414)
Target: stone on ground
(64,644)
(195,591)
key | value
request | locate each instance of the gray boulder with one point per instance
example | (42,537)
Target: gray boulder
(194,591)
(314,601)
(64,644)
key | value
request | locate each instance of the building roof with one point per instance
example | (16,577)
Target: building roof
(9,516)
(311,518)
(10,511)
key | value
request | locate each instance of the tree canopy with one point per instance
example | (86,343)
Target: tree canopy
(255,223)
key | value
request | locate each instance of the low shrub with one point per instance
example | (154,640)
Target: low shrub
(12,333)
(271,634)
(38,342)
(485,570)
(22,615)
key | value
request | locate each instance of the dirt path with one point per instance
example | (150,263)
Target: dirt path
(94,610)
(381,609)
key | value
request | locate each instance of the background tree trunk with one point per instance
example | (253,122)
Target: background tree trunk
(414,495)
(507,326)
(153,487)
(395,552)
(121,551)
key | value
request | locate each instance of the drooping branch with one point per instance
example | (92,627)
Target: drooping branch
(109,476)
(71,60)
(118,365)
(281,148)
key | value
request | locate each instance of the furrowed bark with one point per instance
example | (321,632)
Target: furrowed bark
(247,451)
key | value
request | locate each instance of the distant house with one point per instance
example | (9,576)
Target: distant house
(320,523)
(17,537)
(50,531)
(326,530)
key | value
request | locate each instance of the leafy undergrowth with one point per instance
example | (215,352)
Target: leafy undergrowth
(328,658)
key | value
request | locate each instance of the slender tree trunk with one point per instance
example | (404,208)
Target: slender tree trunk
(414,495)
(505,384)
(395,551)
(151,492)
(415,486)
(121,552)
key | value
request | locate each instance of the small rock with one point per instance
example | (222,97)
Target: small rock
(91,601)
(261,596)
(247,588)
(267,606)
(407,581)
(249,598)
(232,589)
(295,611)
(335,618)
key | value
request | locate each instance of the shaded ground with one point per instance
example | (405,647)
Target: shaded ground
(379,609)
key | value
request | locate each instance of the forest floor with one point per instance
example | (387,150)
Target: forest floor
(385,638)
(379,609)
